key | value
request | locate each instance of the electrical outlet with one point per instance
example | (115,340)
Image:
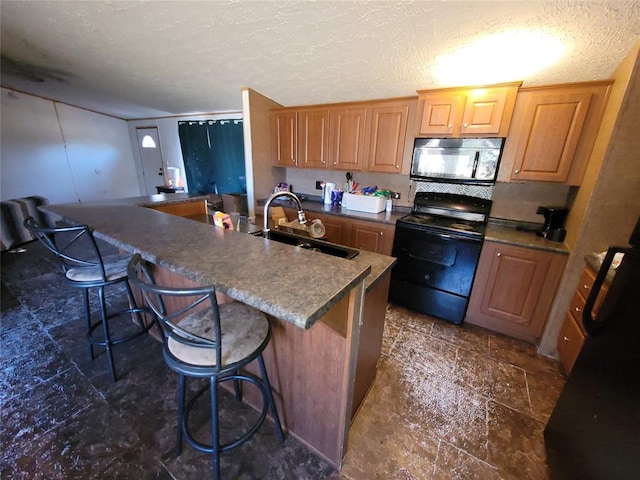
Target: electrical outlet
(396,195)
(318,184)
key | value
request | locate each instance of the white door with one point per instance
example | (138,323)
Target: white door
(151,157)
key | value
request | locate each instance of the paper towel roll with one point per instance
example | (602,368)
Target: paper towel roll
(316,229)
(328,188)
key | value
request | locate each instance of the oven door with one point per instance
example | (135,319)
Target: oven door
(434,272)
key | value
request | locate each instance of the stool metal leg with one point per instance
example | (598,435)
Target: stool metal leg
(181,419)
(215,432)
(87,319)
(269,394)
(107,335)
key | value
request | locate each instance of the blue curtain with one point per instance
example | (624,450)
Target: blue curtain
(213,154)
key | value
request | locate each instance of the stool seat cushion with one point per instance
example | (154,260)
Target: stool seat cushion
(113,270)
(243,330)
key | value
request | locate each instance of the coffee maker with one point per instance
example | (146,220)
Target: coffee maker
(553,222)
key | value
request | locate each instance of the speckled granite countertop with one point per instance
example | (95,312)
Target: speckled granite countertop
(292,284)
(498,230)
(520,234)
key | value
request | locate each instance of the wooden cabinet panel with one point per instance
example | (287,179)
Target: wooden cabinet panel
(363,136)
(336,227)
(554,124)
(487,112)
(372,236)
(471,111)
(440,111)
(370,344)
(313,138)
(347,138)
(570,342)
(553,132)
(284,138)
(188,208)
(573,334)
(386,133)
(513,289)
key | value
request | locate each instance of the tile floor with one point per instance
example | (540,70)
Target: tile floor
(448,402)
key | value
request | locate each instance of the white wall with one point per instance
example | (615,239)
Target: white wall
(169,140)
(63,153)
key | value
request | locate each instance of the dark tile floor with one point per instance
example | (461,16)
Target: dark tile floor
(449,402)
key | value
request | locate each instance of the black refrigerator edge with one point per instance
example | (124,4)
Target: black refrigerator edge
(594,430)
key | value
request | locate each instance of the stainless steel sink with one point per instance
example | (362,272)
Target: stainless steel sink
(309,243)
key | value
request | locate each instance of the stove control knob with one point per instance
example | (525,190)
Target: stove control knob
(427,276)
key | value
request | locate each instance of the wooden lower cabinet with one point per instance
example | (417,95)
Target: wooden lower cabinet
(361,234)
(337,228)
(573,334)
(372,236)
(514,289)
(188,208)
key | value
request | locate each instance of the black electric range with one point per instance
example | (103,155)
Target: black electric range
(438,246)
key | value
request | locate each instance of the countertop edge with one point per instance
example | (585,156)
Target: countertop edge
(368,268)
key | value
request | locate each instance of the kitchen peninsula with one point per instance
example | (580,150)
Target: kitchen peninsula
(318,304)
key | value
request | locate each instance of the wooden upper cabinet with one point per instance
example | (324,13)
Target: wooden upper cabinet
(471,111)
(553,132)
(284,138)
(347,137)
(313,138)
(386,134)
(514,289)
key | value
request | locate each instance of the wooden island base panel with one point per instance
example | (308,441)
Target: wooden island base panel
(319,369)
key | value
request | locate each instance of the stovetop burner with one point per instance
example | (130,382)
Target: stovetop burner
(461,214)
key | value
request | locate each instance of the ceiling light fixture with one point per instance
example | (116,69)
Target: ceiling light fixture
(497,58)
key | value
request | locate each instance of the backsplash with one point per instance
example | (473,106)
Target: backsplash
(513,201)
(471,190)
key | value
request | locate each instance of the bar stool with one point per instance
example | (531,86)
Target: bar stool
(205,340)
(83,266)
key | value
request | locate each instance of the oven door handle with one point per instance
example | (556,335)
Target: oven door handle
(430,260)
(475,165)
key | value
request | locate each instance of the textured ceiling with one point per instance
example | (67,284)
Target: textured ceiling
(145,59)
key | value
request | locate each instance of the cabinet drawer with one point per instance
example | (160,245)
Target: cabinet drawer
(576,308)
(586,284)
(570,342)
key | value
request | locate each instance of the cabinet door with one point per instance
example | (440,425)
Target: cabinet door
(284,138)
(387,133)
(313,138)
(513,289)
(372,236)
(552,124)
(485,109)
(347,138)
(570,342)
(441,112)
(336,228)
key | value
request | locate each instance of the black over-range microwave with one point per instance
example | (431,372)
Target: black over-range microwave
(457,160)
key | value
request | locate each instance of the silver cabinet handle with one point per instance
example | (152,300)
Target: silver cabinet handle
(498,254)
(516,171)
(578,310)
(397,166)
(465,125)
(566,339)
(450,126)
